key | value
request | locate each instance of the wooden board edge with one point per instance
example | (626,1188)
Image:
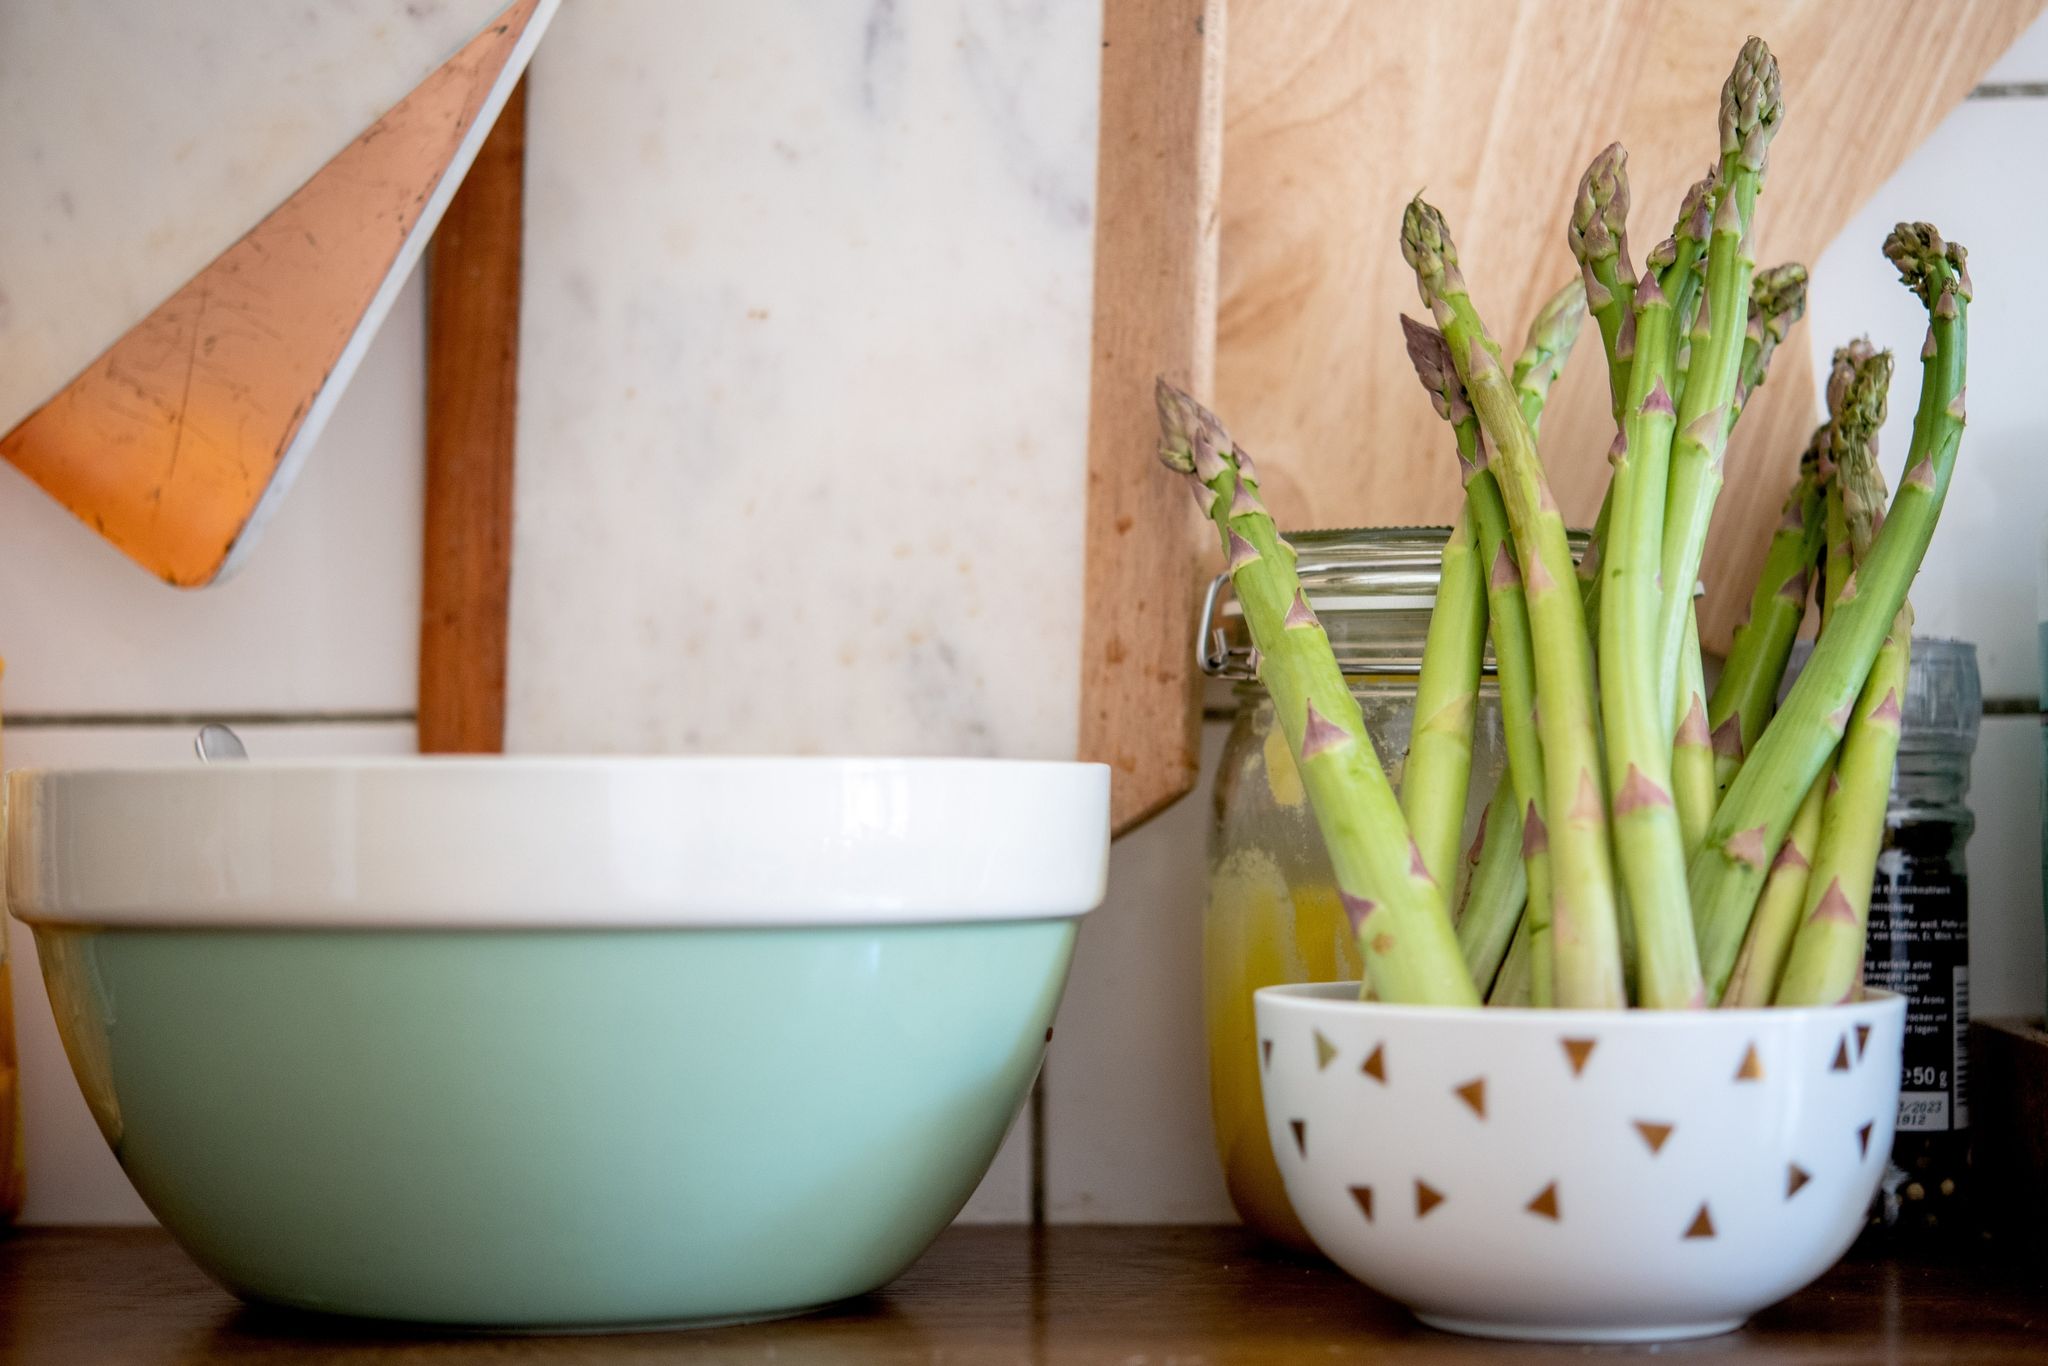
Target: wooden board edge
(1157,182)
(473,280)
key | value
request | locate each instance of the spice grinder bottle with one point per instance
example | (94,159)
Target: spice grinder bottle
(1919,943)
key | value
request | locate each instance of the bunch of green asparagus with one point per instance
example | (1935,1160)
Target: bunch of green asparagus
(1651,843)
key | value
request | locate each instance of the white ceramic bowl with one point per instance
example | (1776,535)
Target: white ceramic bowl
(1579,1175)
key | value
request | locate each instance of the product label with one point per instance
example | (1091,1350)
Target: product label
(1920,948)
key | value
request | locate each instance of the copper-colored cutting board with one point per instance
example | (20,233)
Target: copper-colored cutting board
(177,442)
(1336,112)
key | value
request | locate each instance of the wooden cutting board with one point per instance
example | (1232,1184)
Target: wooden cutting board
(1336,113)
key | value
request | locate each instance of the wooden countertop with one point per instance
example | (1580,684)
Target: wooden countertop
(1122,1295)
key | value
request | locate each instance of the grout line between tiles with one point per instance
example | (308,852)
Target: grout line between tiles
(82,720)
(1037,1129)
(2010,90)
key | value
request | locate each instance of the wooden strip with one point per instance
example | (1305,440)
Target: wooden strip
(472,404)
(1155,313)
(1338,112)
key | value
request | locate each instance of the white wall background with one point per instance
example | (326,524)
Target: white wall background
(313,650)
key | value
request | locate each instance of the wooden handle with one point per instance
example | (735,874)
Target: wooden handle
(1155,313)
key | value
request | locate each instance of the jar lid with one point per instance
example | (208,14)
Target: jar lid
(1372,587)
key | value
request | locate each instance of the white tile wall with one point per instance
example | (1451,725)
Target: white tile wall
(2027,61)
(2006,934)
(1127,1081)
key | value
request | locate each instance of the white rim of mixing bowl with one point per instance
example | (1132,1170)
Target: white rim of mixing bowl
(558,843)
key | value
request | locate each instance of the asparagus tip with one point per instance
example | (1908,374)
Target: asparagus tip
(1191,440)
(1752,105)
(1779,296)
(1696,210)
(1427,247)
(1599,221)
(1927,263)
(1431,357)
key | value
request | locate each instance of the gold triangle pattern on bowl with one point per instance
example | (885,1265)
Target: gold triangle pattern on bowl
(1577,1052)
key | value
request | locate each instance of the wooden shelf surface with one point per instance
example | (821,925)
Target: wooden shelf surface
(988,1294)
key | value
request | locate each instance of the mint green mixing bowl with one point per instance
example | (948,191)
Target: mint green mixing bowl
(688,1098)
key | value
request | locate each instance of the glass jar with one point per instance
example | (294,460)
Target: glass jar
(1273,915)
(1919,942)
(10,1094)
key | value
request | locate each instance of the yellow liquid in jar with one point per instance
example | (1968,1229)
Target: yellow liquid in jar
(10,1099)
(1259,932)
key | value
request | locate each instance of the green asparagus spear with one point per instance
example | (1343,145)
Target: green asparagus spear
(1499,890)
(1515,986)
(1751,109)
(1858,381)
(1692,750)
(1681,269)
(1677,261)
(1747,691)
(1439,769)
(1551,335)
(1508,618)
(1827,950)
(1777,300)
(1404,930)
(1598,236)
(1728,872)
(1648,843)
(1761,963)
(1586,953)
